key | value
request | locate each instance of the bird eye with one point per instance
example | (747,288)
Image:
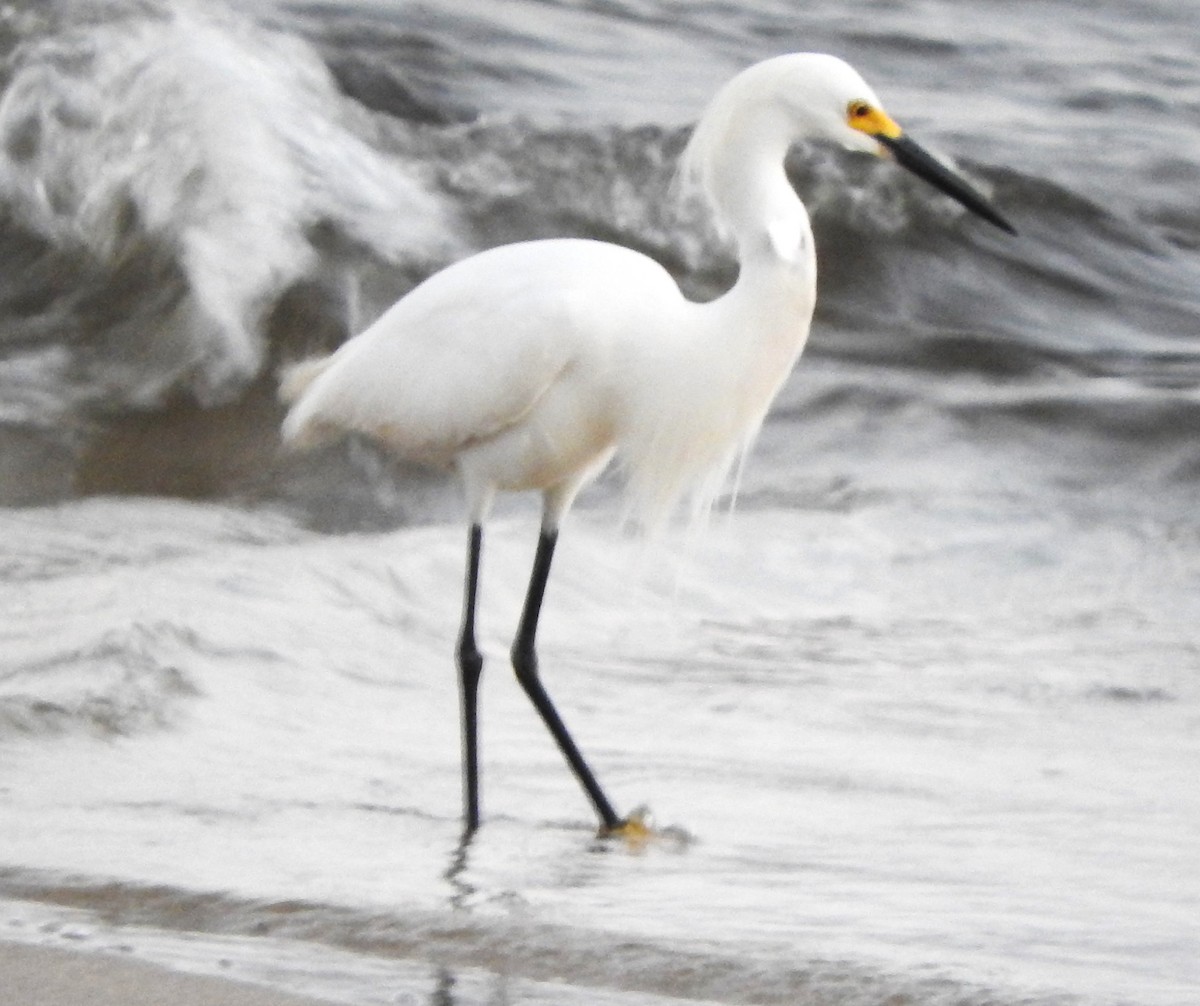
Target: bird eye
(859,110)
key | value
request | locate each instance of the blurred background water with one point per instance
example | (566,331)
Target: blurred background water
(921,718)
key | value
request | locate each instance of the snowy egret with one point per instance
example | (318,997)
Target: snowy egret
(529,366)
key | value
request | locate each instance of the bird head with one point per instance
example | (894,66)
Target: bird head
(831,99)
(814,96)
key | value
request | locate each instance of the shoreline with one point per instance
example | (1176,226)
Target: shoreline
(34,975)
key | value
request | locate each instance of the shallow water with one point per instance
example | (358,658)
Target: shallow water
(919,721)
(900,772)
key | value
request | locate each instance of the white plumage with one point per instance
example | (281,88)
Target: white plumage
(528,367)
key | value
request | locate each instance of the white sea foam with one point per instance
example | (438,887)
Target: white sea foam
(223,143)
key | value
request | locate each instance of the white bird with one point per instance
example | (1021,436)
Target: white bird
(529,366)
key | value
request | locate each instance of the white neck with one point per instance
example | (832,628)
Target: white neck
(754,203)
(741,346)
(770,306)
(762,322)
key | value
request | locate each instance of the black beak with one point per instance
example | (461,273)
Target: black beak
(920,162)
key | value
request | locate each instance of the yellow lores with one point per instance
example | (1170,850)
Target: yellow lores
(866,118)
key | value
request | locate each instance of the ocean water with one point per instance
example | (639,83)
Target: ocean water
(916,721)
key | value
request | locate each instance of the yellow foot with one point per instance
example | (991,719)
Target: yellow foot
(634,830)
(637,834)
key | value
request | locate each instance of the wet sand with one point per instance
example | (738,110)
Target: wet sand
(49,976)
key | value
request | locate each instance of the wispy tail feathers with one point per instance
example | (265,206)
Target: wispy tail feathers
(294,378)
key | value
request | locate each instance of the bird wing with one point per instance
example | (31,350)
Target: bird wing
(462,357)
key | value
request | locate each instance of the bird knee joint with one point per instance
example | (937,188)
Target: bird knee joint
(525,662)
(470,660)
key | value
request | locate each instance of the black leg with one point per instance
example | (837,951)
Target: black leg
(524,657)
(470,666)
